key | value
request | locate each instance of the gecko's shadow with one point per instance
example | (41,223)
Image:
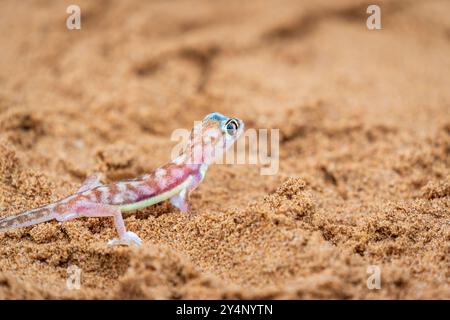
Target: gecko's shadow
(154,211)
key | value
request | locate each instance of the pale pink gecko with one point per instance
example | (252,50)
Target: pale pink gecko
(174,180)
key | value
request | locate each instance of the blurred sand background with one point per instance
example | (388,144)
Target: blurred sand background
(364,122)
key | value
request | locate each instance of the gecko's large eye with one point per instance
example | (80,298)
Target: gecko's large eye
(232,126)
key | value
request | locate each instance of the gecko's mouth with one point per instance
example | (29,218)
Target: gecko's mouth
(241,128)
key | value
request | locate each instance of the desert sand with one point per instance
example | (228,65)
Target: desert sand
(364,166)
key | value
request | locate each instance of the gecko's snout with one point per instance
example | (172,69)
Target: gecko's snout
(215,116)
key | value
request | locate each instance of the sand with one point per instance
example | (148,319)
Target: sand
(364,177)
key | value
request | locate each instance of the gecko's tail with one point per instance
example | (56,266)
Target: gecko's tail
(26,218)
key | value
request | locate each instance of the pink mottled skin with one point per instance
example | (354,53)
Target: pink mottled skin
(174,180)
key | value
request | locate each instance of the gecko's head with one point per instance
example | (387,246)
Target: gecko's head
(213,136)
(229,129)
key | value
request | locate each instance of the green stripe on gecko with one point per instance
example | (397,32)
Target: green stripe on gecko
(155,199)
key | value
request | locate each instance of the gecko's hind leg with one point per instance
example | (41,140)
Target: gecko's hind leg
(91,182)
(181,201)
(100,210)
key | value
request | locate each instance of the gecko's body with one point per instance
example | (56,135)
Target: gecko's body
(174,181)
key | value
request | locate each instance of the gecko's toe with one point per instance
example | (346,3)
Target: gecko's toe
(129,239)
(133,238)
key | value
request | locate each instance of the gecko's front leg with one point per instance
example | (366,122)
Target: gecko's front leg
(181,200)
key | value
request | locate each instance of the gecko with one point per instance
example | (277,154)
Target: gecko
(173,181)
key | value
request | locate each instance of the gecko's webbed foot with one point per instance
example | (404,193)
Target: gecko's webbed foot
(128,239)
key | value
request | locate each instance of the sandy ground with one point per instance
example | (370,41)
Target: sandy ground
(364,124)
